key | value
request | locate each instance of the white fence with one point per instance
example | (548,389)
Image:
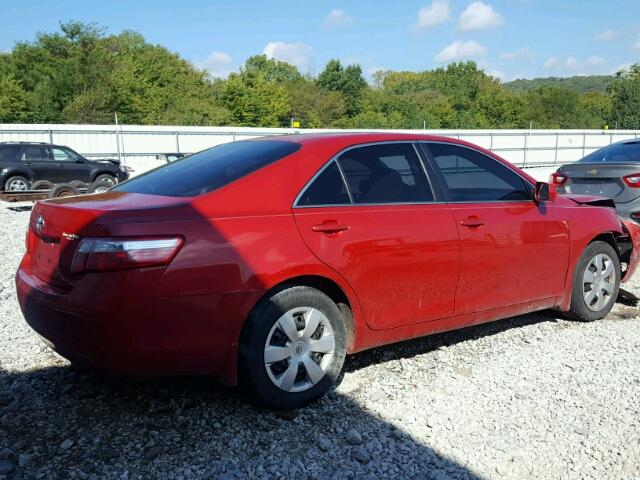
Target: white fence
(138,145)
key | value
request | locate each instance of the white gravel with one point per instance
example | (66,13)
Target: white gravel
(534,397)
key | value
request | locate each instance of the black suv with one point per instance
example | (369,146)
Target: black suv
(24,163)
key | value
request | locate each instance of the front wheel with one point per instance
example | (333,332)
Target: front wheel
(105,178)
(293,347)
(596,282)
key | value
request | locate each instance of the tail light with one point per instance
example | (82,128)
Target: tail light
(558,179)
(632,180)
(108,254)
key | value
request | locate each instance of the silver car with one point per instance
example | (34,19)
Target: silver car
(612,172)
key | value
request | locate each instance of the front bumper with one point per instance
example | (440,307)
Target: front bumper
(116,322)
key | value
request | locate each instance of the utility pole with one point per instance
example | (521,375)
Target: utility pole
(118,139)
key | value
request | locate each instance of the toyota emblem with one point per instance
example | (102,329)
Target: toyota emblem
(40,223)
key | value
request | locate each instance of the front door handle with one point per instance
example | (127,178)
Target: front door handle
(330,227)
(472,221)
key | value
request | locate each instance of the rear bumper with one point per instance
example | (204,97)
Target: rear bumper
(116,322)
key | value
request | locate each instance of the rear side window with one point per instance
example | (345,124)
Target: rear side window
(327,189)
(8,152)
(385,173)
(474,177)
(35,154)
(210,169)
(616,153)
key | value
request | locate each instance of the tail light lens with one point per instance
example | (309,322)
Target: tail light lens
(558,179)
(632,180)
(109,254)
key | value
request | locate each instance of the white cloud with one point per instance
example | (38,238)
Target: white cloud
(573,65)
(435,14)
(337,18)
(522,54)
(294,53)
(608,35)
(218,64)
(478,16)
(459,50)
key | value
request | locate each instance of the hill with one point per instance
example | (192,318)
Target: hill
(591,83)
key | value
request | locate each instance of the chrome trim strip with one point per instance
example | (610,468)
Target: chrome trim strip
(344,181)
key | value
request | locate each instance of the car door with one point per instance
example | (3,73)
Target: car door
(512,249)
(371,215)
(71,166)
(38,159)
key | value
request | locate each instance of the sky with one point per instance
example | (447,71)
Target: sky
(508,38)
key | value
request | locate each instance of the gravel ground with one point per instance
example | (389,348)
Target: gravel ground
(534,396)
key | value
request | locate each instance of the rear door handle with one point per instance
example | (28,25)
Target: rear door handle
(330,227)
(472,222)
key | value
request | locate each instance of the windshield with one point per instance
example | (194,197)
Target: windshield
(210,169)
(617,153)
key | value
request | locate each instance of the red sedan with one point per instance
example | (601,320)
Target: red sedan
(266,261)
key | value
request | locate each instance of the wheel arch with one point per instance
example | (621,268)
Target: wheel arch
(327,286)
(9,172)
(621,243)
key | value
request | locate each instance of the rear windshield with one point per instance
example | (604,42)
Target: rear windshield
(210,169)
(616,153)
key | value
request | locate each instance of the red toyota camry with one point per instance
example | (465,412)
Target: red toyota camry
(266,261)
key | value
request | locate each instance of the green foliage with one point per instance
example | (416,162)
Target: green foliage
(625,93)
(81,74)
(580,84)
(348,81)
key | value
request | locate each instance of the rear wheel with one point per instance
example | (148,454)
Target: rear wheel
(293,347)
(596,282)
(17,184)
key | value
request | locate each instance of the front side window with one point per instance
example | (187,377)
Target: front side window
(62,155)
(328,188)
(210,169)
(385,173)
(471,176)
(35,154)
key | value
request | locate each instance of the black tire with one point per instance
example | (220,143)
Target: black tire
(79,184)
(63,190)
(252,368)
(105,177)
(99,187)
(17,183)
(42,185)
(579,309)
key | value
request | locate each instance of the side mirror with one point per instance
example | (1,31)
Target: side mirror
(544,192)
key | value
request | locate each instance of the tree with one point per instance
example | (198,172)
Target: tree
(625,93)
(349,81)
(14,100)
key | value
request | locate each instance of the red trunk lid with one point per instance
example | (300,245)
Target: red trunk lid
(57,226)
